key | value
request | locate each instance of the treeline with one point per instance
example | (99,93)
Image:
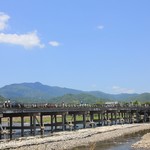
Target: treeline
(2,99)
(78,98)
(67,98)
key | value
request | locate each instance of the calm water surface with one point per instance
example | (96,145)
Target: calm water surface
(122,143)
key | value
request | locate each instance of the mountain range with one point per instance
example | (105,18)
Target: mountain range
(38,92)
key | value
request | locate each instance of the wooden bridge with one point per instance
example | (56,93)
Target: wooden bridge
(67,117)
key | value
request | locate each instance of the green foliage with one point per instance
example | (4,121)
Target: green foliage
(145,97)
(76,99)
(37,92)
(2,99)
(146,103)
(34,91)
(136,103)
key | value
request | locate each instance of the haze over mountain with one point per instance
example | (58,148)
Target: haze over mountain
(34,90)
(37,91)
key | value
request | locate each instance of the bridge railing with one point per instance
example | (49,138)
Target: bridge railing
(70,106)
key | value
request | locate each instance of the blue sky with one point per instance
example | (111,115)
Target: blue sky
(88,45)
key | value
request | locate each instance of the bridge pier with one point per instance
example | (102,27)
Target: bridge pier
(34,124)
(99,119)
(84,120)
(145,116)
(55,116)
(0,128)
(52,119)
(111,117)
(116,117)
(58,117)
(42,125)
(103,118)
(74,117)
(63,121)
(31,122)
(91,116)
(10,129)
(22,126)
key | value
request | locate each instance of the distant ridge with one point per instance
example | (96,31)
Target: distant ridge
(38,91)
(34,90)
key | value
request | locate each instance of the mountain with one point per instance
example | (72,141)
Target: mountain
(34,91)
(144,97)
(38,92)
(122,96)
(78,98)
(2,99)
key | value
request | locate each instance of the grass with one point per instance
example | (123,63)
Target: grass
(46,119)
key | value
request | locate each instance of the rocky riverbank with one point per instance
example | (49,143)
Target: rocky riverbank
(144,143)
(70,139)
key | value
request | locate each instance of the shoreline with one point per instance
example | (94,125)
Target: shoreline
(144,143)
(71,139)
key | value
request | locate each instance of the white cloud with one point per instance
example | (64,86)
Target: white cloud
(28,40)
(54,43)
(100,27)
(3,21)
(118,89)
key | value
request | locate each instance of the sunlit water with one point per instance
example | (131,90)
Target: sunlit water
(121,143)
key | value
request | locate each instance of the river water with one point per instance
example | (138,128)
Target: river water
(121,143)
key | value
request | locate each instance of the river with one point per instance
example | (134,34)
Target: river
(121,143)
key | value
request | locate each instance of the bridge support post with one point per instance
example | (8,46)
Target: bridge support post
(116,116)
(137,116)
(84,120)
(107,117)
(112,118)
(74,117)
(41,120)
(91,117)
(10,127)
(42,125)
(22,126)
(145,116)
(63,121)
(0,128)
(52,123)
(31,124)
(129,117)
(99,119)
(34,124)
(124,117)
(103,118)
(55,116)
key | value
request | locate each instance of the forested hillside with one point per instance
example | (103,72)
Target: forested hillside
(2,99)
(37,92)
(78,98)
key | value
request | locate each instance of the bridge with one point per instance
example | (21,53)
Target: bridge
(66,117)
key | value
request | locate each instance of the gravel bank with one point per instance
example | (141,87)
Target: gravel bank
(70,139)
(144,143)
